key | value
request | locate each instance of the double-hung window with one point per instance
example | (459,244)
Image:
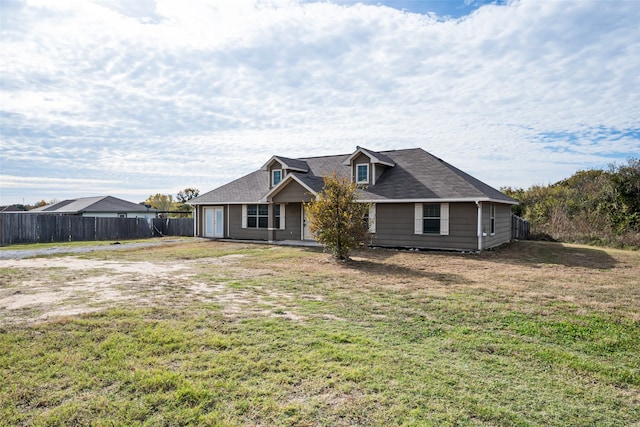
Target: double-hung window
(257,216)
(431,218)
(362,174)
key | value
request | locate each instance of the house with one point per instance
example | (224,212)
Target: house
(101,206)
(417,201)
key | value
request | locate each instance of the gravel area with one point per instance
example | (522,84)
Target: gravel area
(8,253)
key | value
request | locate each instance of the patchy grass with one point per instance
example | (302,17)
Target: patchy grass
(236,334)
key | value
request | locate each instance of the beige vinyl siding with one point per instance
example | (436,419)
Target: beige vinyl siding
(293,192)
(395,226)
(502,226)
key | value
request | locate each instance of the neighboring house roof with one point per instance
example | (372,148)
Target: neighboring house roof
(100,204)
(411,174)
(11,208)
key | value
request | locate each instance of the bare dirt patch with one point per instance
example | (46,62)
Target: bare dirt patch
(584,278)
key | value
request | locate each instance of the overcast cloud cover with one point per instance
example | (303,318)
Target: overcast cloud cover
(132,98)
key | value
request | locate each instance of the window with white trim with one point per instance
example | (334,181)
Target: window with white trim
(362,173)
(432,218)
(276,177)
(257,216)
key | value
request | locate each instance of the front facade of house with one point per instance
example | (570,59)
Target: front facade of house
(417,201)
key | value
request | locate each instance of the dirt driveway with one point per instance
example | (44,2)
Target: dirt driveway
(236,277)
(37,289)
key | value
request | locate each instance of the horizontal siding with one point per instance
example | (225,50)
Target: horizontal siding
(292,193)
(395,227)
(292,222)
(235,226)
(503,225)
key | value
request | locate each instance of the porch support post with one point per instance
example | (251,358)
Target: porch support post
(195,221)
(272,220)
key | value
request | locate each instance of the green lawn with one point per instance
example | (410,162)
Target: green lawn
(531,334)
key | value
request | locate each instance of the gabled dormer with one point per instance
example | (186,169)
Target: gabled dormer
(279,167)
(367,166)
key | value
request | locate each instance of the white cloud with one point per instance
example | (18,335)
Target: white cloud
(164,95)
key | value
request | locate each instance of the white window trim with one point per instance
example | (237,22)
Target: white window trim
(372,218)
(273,177)
(365,181)
(282,216)
(244,216)
(258,216)
(418,218)
(444,219)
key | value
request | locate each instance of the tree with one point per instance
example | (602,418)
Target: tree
(187,194)
(162,202)
(626,181)
(337,219)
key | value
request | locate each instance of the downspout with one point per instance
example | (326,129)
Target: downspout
(195,221)
(479,205)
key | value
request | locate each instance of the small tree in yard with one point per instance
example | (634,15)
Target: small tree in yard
(337,219)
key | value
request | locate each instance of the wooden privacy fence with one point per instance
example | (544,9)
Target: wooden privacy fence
(173,226)
(41,228)
(519,228)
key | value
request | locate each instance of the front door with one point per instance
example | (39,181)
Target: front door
(306,230)
(214,222)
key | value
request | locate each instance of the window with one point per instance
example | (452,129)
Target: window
(431,218)
(362,174)
(276,215)
(276,177)
(257,216)
(493,219)
(122,215)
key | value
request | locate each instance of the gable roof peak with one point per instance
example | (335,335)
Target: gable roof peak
(374,156)
(288,164)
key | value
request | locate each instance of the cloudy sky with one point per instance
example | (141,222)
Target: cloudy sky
(132,98)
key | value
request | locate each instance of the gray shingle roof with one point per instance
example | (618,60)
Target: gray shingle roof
(92,204)
(416,175)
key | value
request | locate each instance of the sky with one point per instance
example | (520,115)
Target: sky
(133,98)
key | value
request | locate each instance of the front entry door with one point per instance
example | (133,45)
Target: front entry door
(214,222)
(306,230)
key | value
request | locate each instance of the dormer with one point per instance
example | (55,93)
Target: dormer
(367,166)
(279,167)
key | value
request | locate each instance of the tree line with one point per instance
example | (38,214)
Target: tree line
(593,206)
